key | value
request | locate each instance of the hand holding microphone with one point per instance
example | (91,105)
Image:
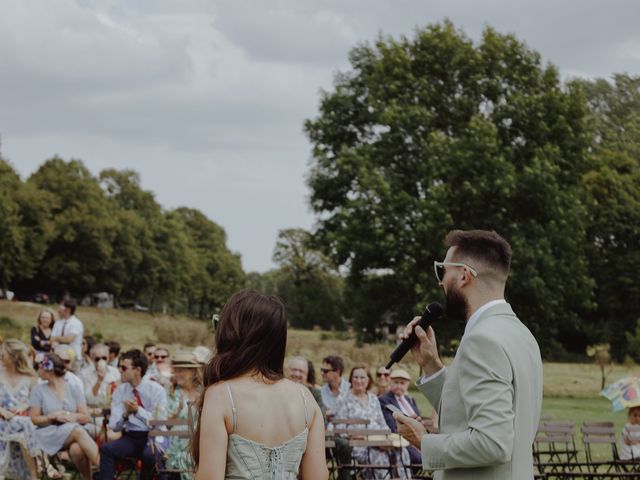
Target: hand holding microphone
(419,337)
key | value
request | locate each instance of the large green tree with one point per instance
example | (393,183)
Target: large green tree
(308,282)
(135,263)
(215,272)
(612,190)
(432,133)
(78,256)
(24,227)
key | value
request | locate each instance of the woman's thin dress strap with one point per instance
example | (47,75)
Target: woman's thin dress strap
(233,407)
(304,400)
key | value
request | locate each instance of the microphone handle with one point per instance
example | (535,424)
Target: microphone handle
(406,345)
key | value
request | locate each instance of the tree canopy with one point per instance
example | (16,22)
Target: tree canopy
(431,133)
(66,231)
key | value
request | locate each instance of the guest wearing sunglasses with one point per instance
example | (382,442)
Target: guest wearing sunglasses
(99,379)
(382,381)
(67,355)
(334,385)
(136,401)
(58,410)
(160,371)
(490,396)
(114,351)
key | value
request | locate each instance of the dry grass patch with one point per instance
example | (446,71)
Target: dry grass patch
(183,332)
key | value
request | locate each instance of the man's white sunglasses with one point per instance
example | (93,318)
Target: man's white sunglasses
(438,267)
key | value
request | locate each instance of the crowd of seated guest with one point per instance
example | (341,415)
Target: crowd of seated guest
(67,396)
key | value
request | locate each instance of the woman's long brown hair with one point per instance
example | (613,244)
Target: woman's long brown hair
(251,337)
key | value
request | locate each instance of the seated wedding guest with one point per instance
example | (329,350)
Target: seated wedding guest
(397,396)
(187,371)
(358,402)
(41,333)
(99,381)
(334,385)
(149,349)
(68,330)
(253,423)
(66,354)
(162,372)
(17,451)
(114,351)
(136,401)
(630,438)
(59,410)
(296,370)
(87,344)
(382,380)
(311,376)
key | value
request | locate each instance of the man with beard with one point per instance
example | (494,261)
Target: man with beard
(489,398)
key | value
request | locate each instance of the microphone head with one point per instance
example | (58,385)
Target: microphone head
(435,309)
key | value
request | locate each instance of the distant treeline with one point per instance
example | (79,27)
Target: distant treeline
(64,231)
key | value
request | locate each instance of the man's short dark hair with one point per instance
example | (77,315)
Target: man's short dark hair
(71,304)
(336,363)
(138,359)
(148,345)
(114,347)
(482,245)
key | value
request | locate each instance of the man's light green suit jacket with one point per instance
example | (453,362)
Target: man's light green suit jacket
(489,400)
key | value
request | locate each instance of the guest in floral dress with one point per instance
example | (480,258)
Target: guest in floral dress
(187,371)
(16,380)
(358,402)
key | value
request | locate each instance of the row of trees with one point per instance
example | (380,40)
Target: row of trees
(436,132)
(65,231)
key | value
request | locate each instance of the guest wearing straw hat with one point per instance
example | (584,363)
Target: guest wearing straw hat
(397,396)
(187,371)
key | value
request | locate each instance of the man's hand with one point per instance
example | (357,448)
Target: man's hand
(131,406)
(425,351)
(410,429)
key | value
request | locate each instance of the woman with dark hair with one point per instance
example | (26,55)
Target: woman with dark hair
(41,333)
(58,410)
(88,343)
(311,375)
(253,423)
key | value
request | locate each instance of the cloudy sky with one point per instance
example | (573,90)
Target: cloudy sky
(206,99)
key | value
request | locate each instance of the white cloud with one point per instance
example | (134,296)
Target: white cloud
(207,99)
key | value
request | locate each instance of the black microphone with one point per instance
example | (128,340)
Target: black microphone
(432,312)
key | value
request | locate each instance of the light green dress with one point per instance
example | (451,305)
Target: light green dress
(247,459)
(178,454)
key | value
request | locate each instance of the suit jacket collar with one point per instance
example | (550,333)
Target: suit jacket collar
(499,309)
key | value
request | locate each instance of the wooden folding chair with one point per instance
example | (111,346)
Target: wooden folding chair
(554,448)
(595,435)
(167,428)
(329,448)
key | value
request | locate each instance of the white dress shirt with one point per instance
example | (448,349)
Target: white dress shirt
(473,319)
(154,405)
(89,377)
(70,326)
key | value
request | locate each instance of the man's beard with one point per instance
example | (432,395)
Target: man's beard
(456,306)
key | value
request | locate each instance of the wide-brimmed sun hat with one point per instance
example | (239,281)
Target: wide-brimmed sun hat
(185,359)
